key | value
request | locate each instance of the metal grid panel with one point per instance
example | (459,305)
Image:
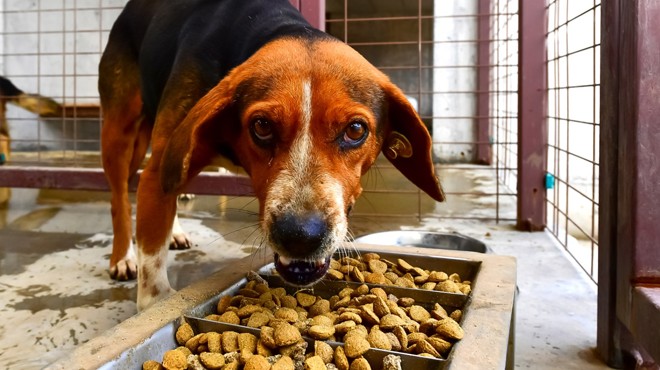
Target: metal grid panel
(436,52)
(52,48)
(504,93)
(574,127)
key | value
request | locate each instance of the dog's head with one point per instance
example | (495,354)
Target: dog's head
(306,120)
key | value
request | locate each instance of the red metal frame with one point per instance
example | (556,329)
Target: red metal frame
(72,178)
(313,10)
(532,112)
(629,297)
(609,113)
(484,150)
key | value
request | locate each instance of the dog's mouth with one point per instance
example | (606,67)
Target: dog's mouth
(301,272)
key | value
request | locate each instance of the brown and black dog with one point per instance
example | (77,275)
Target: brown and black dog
(37,104)
(303,113)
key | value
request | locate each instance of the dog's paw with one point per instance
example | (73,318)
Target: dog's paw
(179,238)
(126,269)
(180,241)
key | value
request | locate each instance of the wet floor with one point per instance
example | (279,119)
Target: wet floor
(55,292)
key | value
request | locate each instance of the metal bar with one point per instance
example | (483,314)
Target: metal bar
(593,8)
(484,150)
(629,208)
(419,87)
(532,124)
(638,206)
(639,148)
(314,12)
(566,140)
(414,18)
(571,154)
(426,42)
(71,178)
(586,48)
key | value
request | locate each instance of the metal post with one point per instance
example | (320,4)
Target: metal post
(629,292)
(532,118)
(314,12)
(607,226)
(484,152)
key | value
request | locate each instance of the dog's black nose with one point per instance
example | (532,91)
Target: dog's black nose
(299,234)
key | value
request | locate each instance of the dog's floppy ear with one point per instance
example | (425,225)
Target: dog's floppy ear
(195,142)
(407,143)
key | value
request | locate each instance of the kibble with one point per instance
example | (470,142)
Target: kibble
(174,360)
(212,360)
(360,364)
(257,362)
(449,328)
(362,317)
(286,334)
(152,365)
(356,346)
(373,269)
(184,333)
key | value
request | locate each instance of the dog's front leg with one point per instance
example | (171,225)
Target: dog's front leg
(155,216)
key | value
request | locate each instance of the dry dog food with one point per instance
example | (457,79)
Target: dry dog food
(362,318)
(288,351)
(371,268)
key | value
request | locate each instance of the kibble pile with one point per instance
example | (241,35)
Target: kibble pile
(370,268)
(362,318)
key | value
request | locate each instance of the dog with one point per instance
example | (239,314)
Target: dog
(37,104)
(250,81)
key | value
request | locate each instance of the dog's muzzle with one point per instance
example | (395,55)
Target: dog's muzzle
(302,240)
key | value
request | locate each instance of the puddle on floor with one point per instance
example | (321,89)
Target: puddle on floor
(35,301)
(19,248)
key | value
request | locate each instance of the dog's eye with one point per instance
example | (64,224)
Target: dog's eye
(262,130)
(355,133)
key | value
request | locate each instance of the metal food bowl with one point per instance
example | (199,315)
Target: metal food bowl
(488,311)
(425,239)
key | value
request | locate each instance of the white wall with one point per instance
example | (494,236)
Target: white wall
(447,80)
(53,47)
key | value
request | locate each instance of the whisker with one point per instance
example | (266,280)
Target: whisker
(229,199)
(241,229)
(261,248)
(238,210)
(257,228)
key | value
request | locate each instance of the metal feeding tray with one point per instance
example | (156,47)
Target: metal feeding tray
(487,312)
(426,239)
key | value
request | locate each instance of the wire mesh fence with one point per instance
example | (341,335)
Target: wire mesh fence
(52,48)
(457,61)
(574,126)
(459,71)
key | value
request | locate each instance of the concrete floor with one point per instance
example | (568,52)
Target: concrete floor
(55,292)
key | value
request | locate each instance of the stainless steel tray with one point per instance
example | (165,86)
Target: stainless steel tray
(374,356)
(425,239)
(487,317)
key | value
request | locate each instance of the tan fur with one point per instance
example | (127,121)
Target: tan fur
(310,101)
